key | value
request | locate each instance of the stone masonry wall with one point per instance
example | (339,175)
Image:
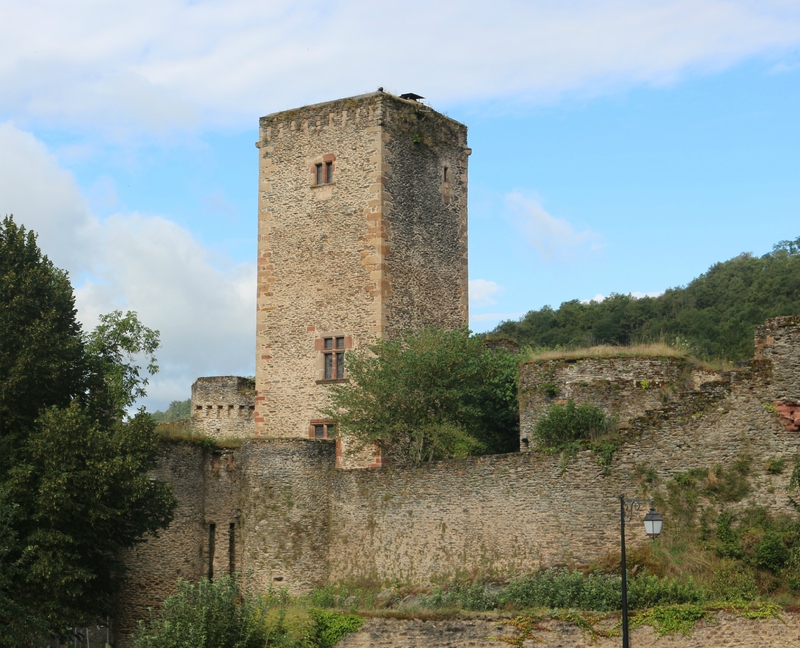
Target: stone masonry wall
(261,510)
(778,341)
(725,631)
(285,509)
(223,407)
(624,387)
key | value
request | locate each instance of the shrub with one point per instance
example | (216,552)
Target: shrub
(563,589)
(333,626)
(565,426)
(202,615)
(219,615)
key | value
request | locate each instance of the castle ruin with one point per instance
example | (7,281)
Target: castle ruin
(362,234)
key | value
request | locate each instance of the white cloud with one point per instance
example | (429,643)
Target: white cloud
(203,306)
(596,299)
(555,239)
(635,294)
(156,65)
(482,293)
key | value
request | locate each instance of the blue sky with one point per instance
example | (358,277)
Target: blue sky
(618,146)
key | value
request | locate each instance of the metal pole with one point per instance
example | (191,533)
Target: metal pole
(624,570)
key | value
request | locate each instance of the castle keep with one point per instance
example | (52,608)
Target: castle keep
(362,235)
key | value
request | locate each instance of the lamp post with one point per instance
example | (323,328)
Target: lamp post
(652,526)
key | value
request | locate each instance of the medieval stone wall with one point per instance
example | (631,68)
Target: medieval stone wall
(223,407)
(285,512)
(623,387)
(518,512)
(778,341)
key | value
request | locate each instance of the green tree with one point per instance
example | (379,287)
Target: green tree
(429,395)
(74,482)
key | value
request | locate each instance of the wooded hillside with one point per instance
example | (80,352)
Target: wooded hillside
(714,315)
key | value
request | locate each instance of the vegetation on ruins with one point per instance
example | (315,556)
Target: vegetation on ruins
(430,395)
(219,614)
(568,427)
(714,316)
(74,482)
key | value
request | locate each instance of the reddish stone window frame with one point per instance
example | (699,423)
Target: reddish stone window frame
(323,172)
(322,429)
(327,430)
(331,363)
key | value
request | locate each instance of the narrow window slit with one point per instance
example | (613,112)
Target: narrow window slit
(212,533)
(232,548)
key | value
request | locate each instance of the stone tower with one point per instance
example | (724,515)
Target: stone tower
(362,234)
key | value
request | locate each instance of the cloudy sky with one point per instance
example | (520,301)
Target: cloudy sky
(618,145)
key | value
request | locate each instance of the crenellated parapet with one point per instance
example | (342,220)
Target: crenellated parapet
(223,407)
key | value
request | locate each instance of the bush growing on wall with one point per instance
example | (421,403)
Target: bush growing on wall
(569,425)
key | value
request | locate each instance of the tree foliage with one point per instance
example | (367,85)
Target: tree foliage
(177,411)
(715,314)
(74,482)
(430,395)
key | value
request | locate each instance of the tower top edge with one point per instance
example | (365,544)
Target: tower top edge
(355,101)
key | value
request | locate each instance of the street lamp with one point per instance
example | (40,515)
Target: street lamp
(652,526)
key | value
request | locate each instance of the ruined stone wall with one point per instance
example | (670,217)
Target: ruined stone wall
(517,512)
(299,522)
(426,212)
(223,407)
(379,249)
(778,342)
(624,387)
